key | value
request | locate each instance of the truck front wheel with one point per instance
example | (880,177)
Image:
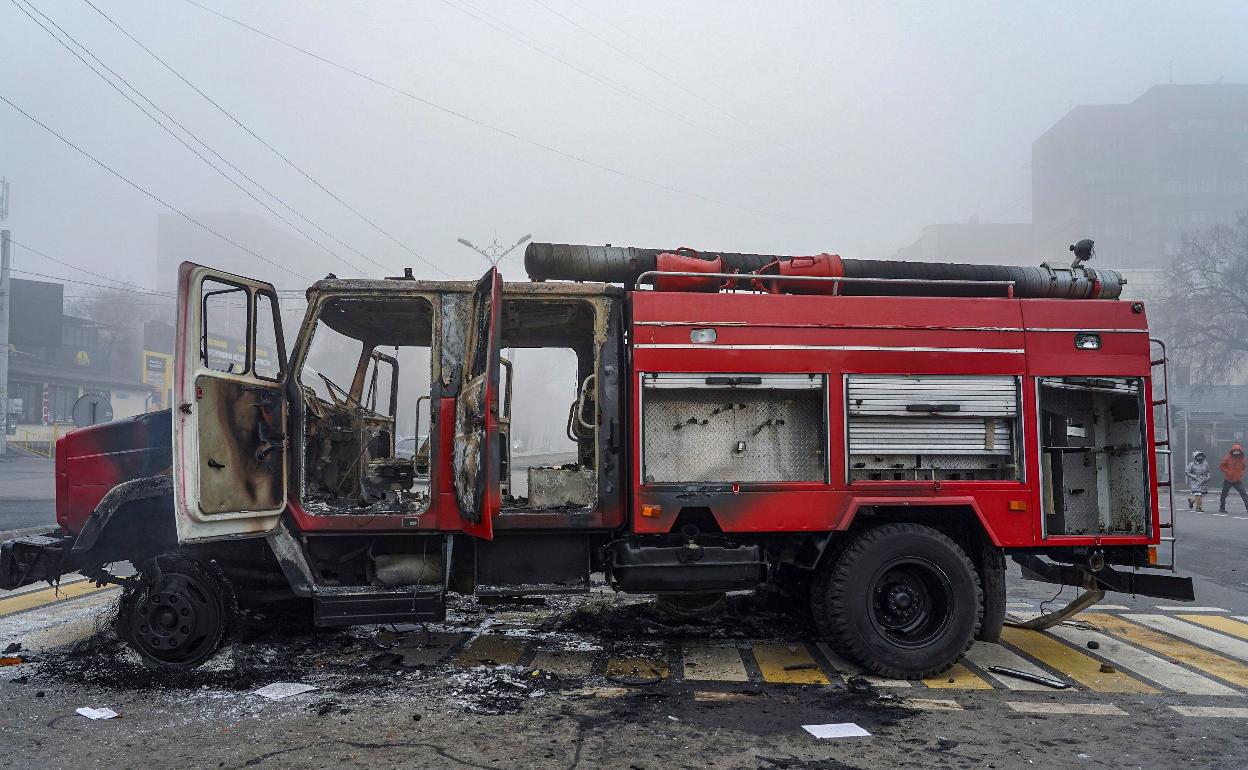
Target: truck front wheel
(177,613)
(901,600)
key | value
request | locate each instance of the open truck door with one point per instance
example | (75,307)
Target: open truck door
(475,459)
(229,410)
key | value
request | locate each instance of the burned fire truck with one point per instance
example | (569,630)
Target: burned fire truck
(879,435)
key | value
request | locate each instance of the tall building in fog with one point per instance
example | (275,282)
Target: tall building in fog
(992,243)
(1136,176)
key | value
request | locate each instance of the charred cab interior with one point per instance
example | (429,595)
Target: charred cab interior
(364,379)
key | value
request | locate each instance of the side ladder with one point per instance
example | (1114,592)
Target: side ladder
(1164,448)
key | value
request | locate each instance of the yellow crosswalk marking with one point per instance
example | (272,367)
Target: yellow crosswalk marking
(491,650)
(957,678)
(1197,657)
(705,662)
(788,664)
(1218,623)
(1076,665)
(637,669)
(32,599)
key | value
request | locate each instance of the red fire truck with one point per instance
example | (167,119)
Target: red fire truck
(878,434)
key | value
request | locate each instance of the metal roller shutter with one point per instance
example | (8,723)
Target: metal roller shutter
(930,415)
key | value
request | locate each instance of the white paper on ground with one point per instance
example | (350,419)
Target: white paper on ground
(279,690)
(842,730)
(93,713)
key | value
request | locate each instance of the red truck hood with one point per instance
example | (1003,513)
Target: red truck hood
(91,461)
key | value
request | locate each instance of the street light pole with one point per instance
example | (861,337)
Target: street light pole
(5,295)
(495,252)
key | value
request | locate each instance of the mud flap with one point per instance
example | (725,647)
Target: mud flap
(992,576)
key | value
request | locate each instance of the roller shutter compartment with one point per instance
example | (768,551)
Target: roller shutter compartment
(945,427)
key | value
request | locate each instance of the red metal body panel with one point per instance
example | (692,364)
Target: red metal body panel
(883,335)
(771,333)
(91,461)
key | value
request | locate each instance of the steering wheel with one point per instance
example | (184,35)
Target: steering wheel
(334,389)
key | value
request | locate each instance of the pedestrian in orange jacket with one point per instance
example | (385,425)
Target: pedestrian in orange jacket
(1232,467)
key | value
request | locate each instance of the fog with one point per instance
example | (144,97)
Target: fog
(401,127)
(781,127)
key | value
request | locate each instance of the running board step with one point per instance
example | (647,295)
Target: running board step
(364,605)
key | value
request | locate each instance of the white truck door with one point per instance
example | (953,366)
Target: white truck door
(229,411)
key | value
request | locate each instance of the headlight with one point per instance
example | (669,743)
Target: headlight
(1088,341)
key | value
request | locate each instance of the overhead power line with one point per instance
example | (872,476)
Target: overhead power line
(488,126)
(490,20)
(79,268)
(660,74)
(266,144)
(88,283)
(150,194)
(188,132)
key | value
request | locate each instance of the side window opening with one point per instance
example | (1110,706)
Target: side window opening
(223,343)
(366,374)
(933,428)
(548,405)
(1094,466)
(266,354)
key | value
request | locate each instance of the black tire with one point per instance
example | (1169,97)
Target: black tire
(901,600)
(177,614)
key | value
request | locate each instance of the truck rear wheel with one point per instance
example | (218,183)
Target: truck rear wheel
(177,614)
(901,600)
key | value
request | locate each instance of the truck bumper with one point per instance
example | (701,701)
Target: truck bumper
(1107,579)
(34,558)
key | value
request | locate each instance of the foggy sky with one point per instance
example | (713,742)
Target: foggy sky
(841,126)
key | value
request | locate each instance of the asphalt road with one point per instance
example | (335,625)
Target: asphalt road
(594,681)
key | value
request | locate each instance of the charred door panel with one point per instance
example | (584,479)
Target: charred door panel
(474,457)
(238,467)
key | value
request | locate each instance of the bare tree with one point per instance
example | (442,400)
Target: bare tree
(1205,305)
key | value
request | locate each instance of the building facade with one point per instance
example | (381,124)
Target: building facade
(55,359)
(1135,177)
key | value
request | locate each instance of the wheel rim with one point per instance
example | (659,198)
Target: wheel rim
(911,602)
(177,620)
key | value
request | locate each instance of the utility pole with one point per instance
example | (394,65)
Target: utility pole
(4,342)
(495,252)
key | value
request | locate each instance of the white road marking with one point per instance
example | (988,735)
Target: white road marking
(1102,709)
(985,654)
(1110,607)
(704,662)
(930,704)
(1233,712)
(1173,608)
(847,669)
(1222,515)
(1212,640)
(1128,658)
